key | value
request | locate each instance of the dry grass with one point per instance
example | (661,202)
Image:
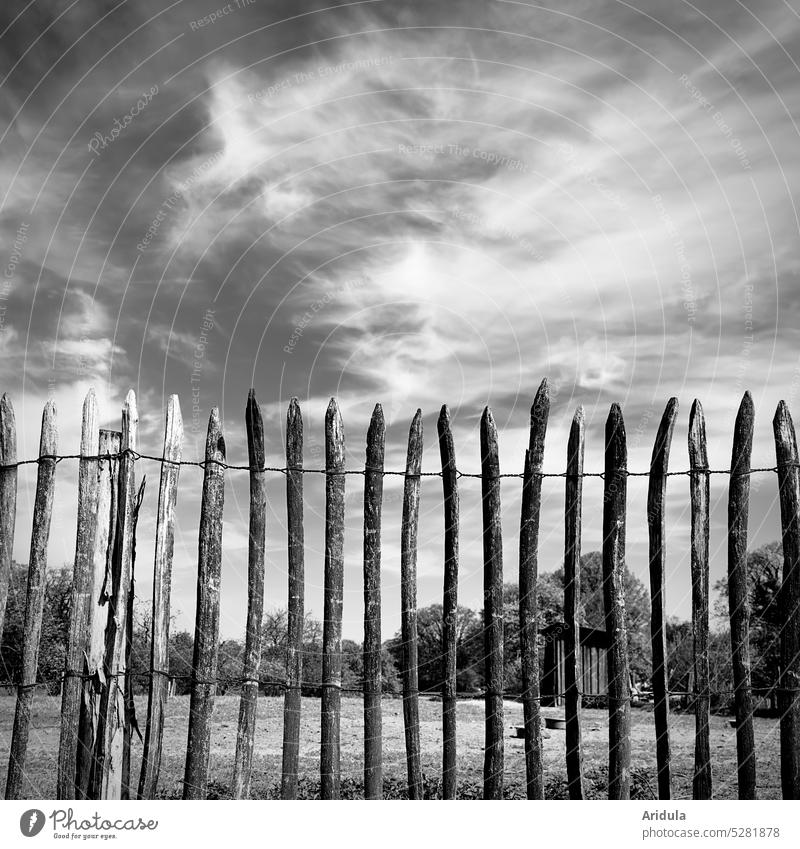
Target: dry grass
(267,761)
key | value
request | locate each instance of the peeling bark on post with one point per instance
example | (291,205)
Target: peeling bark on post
(34,601)
(111,730)
(408,604)
(162,584)
(245,736)
(82,583)
(738,600)
(373,498)
(656,525)
(334,588)
(206,631)
(572,604)
(8,498)
(492,607)
(619,707)
(700,498)
(88,769)
(528,579)
(449,603)
(789,601)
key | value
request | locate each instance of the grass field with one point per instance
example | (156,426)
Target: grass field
(41,763)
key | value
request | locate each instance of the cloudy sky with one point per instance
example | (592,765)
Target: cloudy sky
(408,202)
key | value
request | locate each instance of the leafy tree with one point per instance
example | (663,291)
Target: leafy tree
(764,571)
(55,626)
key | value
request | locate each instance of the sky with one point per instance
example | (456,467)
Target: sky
(411,203)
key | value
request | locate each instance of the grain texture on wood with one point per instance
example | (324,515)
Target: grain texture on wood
(738,598)
(206,629)
(492,608)
(8,498)
(789,601)
(447,453)
(294,648)
(162,584)
(408,605)
(245,735)
(111,729)
(34,602)
(572,604)
(657,533)
(373,500)
(89,746)
(614,506)
(528,579)
(699,490)
(330,767)
(82,584)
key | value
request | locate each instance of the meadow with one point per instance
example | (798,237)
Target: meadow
(41,763)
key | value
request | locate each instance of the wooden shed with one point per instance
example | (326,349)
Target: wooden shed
(594,675)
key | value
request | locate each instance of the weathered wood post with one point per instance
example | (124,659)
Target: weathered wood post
(245,735)
(572,604)
(447,453)
(88,768)
(162,584)
(8,498)
(656,526)
(82,585)
(615,485)
(528,579)
(408,604)
(296,567)
(738,598)
(789,601)
(34,601)
(700,498)
(206,629)
(111,729)
(492,608)
(373,499)
(334,589)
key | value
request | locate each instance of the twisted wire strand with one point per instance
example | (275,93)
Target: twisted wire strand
(202,464)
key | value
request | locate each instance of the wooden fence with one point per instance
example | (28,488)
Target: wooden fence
(95,738)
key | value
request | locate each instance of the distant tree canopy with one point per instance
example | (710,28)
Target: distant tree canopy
(55,625)
(550,601)
(764,576)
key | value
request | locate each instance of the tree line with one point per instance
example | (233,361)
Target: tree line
(764,572)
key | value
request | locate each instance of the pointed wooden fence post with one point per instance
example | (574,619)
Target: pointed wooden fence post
(573,680)
(88,769)
(789,601)
(8,498)
(206,629)
(656,525)
(373,499)
(408,605)
(82,581)
(738,600)
(334,590)
(111,730)
(700,498)
(162,584)
(492,608)
(294,649)
(34,601)
(449,603)
(245,736)
(528,579)
(615,486)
